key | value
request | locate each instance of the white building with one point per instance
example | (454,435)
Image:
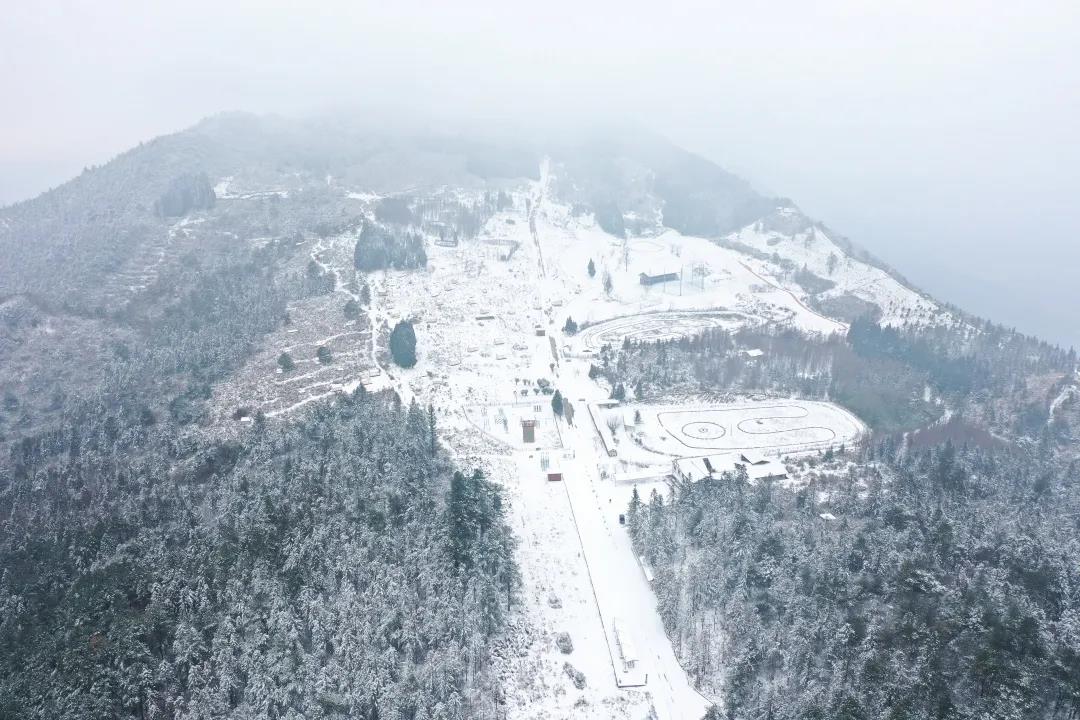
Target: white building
(627,651)
(691,470)
(757,466)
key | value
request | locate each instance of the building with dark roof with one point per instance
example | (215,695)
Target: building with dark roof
(647,279)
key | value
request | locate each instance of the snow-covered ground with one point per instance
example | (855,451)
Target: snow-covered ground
(557,597)
(812,249)
(490,339)
(770,426)
(623,594)
(224,190)
(708,277)
(481,364)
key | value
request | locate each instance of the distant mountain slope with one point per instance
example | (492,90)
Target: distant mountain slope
(63,246)
(642,174)
(840,281)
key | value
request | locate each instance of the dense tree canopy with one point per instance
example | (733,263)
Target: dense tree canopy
(186,193)
(332,567)
(946,588)
(381,247)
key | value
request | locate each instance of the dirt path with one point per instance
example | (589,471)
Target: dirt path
(840,327)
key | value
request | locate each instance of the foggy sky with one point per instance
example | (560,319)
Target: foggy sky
(941,136)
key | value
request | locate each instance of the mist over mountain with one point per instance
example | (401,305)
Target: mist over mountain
(313,417)
(939,138)
(519,362)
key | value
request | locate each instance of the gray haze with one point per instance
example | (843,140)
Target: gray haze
(942,136)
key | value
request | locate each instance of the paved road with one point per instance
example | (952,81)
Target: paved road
(621,588)
(619,583)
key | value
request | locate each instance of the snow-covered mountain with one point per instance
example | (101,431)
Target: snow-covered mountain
(438,340)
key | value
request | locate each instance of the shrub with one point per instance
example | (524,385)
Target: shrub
(575,675)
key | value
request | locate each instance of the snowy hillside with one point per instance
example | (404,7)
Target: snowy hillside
(823,262)
(537,281)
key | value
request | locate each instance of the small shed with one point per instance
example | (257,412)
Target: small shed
(753,458)
(648,279)
(625,644)
(528,431)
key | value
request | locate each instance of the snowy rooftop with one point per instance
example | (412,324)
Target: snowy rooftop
(694,469)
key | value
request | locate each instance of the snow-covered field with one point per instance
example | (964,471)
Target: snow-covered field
(709,278)
(768,426)
(655,326)
(262,386)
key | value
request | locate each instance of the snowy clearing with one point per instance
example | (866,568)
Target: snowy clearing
(769,426)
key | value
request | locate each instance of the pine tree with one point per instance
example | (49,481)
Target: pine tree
(633,514)
(557,403)
(592,268)
(432,437)
(403,344)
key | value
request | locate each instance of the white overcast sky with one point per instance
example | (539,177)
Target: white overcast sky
(941,135)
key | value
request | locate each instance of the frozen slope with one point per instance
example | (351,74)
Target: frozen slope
(811,248)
